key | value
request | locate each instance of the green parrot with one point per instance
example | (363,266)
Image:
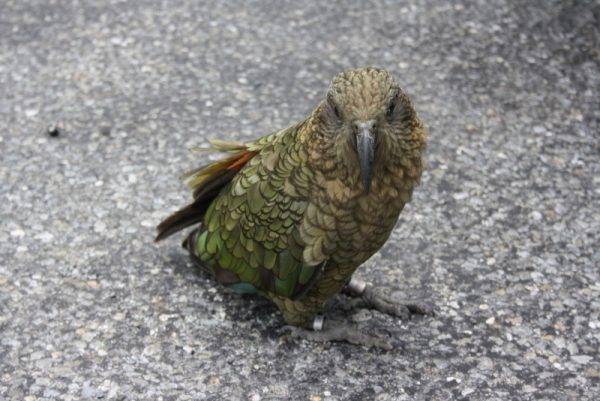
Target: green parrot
(293,214)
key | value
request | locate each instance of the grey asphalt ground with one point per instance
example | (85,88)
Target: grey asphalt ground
(502,235)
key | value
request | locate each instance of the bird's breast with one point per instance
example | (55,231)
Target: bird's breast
(362,222)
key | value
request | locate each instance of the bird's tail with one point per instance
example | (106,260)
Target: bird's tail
(206,182)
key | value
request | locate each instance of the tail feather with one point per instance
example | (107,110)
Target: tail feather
(206,182)
(222,146)
(179,220)
(218,181)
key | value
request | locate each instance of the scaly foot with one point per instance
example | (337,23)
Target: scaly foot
(334,330)
(375,298)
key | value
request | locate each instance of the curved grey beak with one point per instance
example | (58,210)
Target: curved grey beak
(365,147)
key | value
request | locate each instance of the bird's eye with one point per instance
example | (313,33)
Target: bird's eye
(333,107)
(336,111)
(391,108)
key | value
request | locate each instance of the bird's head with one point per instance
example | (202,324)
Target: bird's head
(368,115)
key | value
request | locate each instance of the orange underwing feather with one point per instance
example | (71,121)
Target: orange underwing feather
(206,182)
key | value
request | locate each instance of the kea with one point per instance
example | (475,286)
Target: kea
(292,215)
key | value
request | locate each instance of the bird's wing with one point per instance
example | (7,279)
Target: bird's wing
(208,180)
(256,228)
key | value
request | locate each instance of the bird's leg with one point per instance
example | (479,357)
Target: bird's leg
(374,298)
(335,330)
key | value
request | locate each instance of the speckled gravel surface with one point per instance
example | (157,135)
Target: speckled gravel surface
(502,235)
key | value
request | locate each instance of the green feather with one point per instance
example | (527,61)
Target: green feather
(287,264)
(201,243)
(269,259)
(249,275)
(214,243)
(284,287)
(225,258)
(238,250)
(305,274)
(255,199)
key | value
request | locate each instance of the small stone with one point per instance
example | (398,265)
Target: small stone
(92,284)
(466,391)
(581,359)
(535,215)
(485,363)
(17,233)
(165,316)
(490,321)
(105,129)
(99,227)
(45,237)
(595,373)
(53,130)
(87,391)
(460,196)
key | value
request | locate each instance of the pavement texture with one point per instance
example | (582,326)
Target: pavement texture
(502,235)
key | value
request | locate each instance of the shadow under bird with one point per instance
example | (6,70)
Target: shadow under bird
(292,215)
